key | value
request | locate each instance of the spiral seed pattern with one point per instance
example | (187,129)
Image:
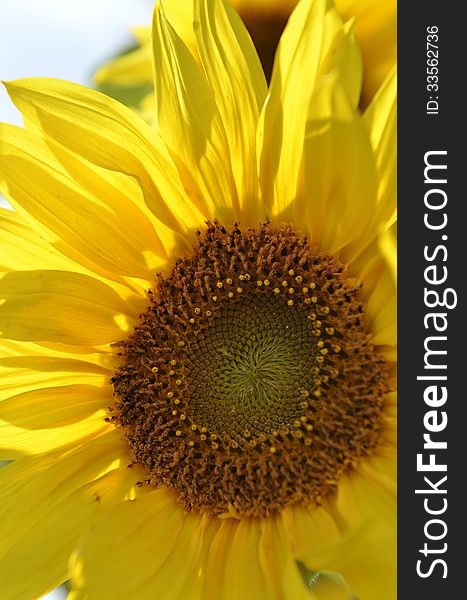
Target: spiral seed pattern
(250,382)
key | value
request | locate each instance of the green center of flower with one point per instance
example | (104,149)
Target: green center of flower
(251,367)
(250,383)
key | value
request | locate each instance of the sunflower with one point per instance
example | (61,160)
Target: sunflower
(197,326)
(129,77)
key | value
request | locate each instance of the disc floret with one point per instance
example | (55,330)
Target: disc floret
(250,382)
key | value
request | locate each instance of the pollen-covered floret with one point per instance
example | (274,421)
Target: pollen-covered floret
(250,383)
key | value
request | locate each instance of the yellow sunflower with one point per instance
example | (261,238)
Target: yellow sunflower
(198,326)
(130,76)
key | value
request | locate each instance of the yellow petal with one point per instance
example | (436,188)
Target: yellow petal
(311,530)
(131,68)
(55,407)
(145,542)
(190,123)
(105,225)
(366,504)
(45,479)
(370,569)
(380,122)
(110,135)
(27,244)
(61,306)
(387,243)
(307,52)
(380,118)
(370,561)
(120,194)
(343,59)
(48,418)
(338,181)
(376,270)
(250,559)
(315,536)
(143,34)
(332,537)
(376,24)
(102,356)
(216,571)
(56,505)
(233,569)
(22,249)
(279,564)
(25,372)
(239,88)
(381,311)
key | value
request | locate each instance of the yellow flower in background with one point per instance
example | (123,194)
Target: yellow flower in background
(375,30)
(251,389)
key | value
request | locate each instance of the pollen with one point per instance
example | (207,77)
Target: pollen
(266,415)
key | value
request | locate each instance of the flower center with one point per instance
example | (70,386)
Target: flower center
(250,383)
(251,367)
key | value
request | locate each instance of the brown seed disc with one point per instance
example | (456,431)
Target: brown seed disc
(250,383)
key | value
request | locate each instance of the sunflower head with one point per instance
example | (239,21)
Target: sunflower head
(210,301)
(250,383)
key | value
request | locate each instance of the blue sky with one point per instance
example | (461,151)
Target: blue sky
(62,38)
